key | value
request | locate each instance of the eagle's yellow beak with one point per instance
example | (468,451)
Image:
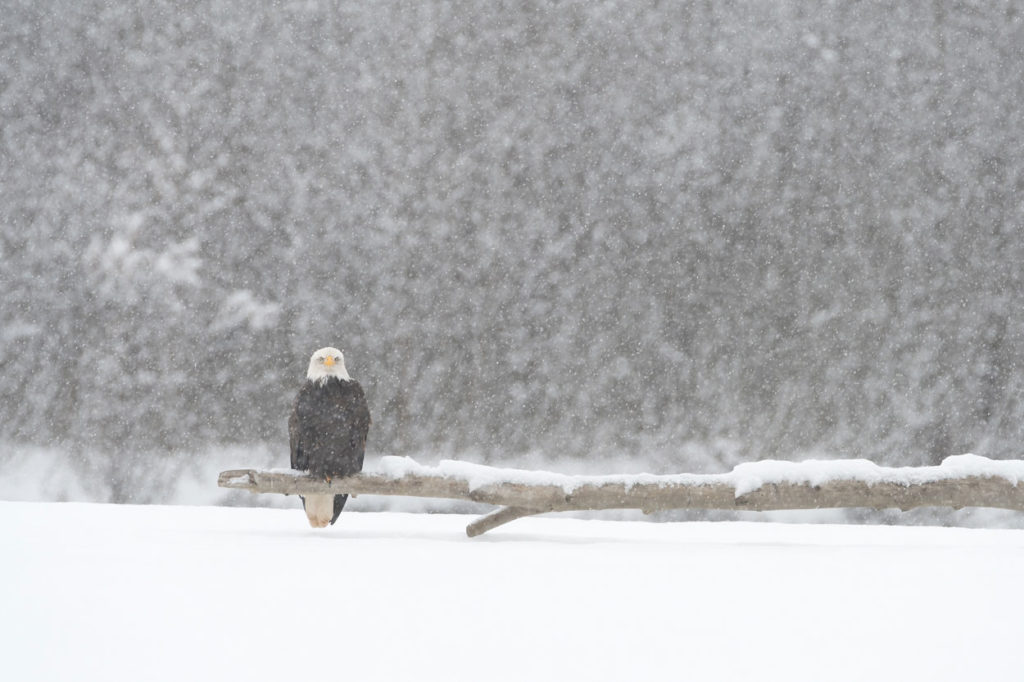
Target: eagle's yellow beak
(329,361)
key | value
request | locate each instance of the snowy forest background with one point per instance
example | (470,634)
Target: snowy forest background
(585,235)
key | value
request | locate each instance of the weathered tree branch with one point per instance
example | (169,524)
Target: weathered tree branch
(964,481)
(496,518)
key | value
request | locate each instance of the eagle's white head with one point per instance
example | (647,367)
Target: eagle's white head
(327,362)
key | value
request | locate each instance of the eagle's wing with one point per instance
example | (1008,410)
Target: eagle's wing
(298,460)
(359,424)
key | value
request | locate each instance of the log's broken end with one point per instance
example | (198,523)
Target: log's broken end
(237,478)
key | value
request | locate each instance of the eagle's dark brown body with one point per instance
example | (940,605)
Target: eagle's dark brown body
(327,430)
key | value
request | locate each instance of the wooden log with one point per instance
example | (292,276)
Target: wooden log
(985,483)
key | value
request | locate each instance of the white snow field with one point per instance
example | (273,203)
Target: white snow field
(108,592)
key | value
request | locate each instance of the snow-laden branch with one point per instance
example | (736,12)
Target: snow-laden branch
(960,481)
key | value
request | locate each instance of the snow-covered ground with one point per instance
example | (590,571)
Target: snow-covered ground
(105,592)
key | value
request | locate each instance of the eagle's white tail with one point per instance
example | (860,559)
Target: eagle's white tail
(319,510)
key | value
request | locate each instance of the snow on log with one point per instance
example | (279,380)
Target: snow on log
(960,481)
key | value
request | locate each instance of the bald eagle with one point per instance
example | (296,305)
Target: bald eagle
(327,430)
